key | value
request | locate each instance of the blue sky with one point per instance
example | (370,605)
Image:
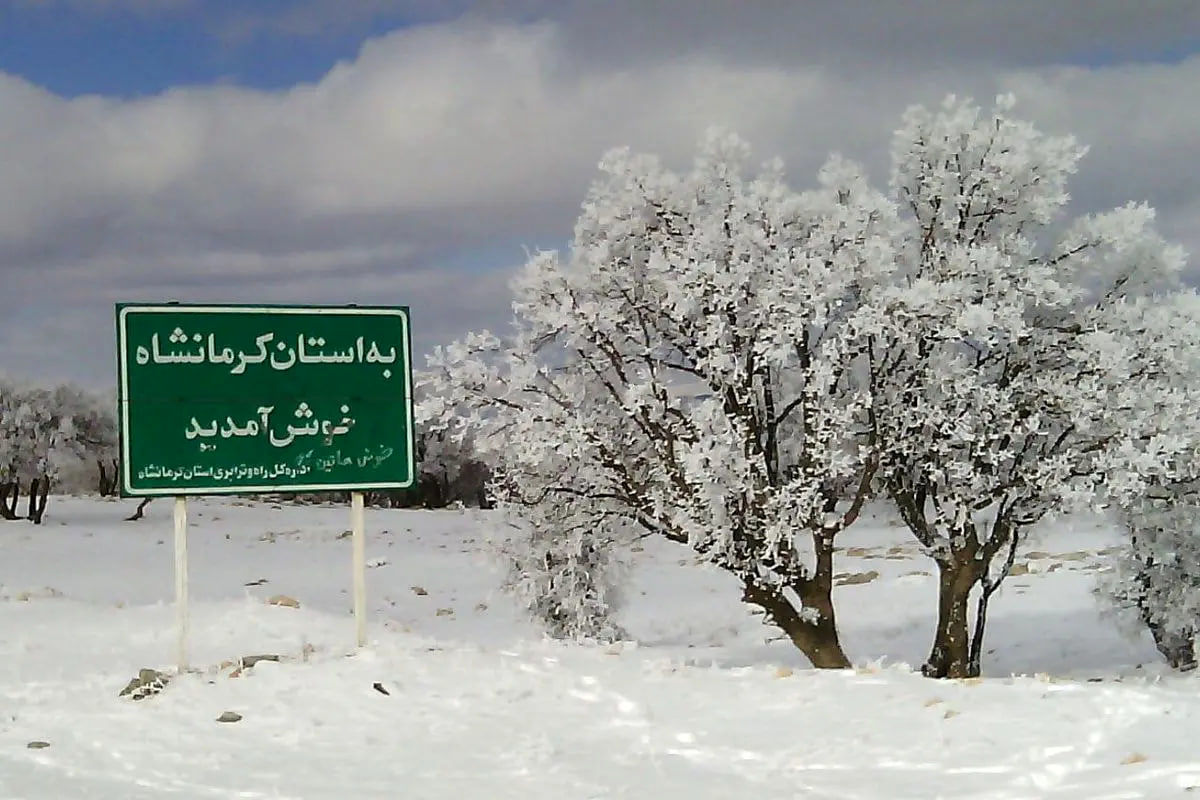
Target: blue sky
(130,51)
(413,151)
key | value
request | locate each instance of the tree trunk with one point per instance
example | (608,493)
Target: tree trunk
(818,640)
(10,492)
(39,493)
(981,608)
(813,628)
(950,656)
(106,484)
(31,508)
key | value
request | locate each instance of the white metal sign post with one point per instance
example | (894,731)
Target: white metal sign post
(359,535)
(181,580)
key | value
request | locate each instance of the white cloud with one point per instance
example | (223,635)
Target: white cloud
(455,144)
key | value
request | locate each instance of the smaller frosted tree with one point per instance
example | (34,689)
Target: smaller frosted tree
(1156,576)
(563,557)
(1153,481)
(566,570)
(97,440)
(1014,342)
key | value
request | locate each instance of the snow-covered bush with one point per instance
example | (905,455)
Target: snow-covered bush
(1015,344)
(564,570)
(694,368)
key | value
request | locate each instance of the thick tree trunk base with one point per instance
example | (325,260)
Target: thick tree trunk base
(10,493)
(950,656)
(39,493)
(817,640)
(108,482)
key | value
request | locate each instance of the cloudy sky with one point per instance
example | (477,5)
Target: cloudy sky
(412,151)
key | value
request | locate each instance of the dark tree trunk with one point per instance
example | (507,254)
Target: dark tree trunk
(10,492)
(981,609)
(950,656)
(39,493)
(815,633)
(45,498)
(141,509)
(988,586)
(107,485)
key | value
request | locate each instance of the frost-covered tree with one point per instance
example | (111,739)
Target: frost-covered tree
(1153,480)
(43,430)
(1014,342)
(695,368)
(1156,575)
(10,444)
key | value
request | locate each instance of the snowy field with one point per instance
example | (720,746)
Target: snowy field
(479,706)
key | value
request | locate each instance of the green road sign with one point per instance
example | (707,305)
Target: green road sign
(230,399)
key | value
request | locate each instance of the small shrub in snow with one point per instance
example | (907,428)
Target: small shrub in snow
(568,577)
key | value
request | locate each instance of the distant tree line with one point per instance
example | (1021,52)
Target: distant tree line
(48,433)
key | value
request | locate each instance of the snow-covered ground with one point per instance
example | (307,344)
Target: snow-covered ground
(479,706)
